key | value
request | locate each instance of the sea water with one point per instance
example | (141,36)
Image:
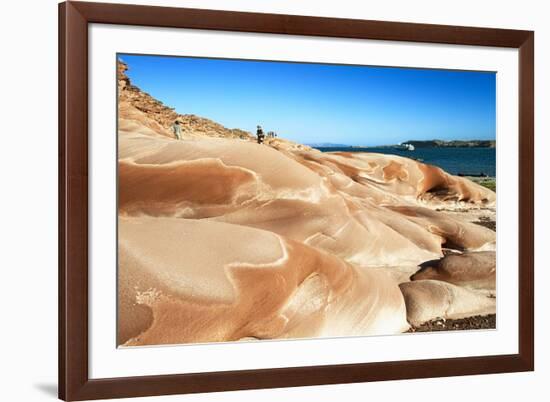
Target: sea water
(467,161)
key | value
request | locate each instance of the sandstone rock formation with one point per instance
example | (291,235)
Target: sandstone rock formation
(186,280)
(475,270)
(430,299)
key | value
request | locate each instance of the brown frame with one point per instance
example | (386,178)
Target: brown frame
(74,17)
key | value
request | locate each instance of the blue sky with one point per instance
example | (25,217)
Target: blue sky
(317,103)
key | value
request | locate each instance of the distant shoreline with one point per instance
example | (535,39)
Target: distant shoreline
(418,144)
(459,161)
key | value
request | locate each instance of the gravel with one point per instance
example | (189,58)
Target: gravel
(441,324)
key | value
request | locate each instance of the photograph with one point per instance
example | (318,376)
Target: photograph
(264,200)
(271,200)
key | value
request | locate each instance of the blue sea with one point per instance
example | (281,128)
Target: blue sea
(467,161)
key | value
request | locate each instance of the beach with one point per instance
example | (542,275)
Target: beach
(222,239)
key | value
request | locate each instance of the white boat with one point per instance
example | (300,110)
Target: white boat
(407,147)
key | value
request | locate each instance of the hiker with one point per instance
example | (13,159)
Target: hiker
(260,134)
(176,128)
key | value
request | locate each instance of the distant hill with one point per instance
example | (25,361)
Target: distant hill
(327,145)
(453,144)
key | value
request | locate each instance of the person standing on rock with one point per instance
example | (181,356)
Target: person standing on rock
(260,134)
(176,128)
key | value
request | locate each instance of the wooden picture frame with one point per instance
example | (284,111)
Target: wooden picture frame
(74,381)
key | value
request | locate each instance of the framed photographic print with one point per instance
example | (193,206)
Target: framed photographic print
(260,200)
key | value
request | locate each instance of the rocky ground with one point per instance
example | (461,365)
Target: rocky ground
(440,324)
(487,222)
